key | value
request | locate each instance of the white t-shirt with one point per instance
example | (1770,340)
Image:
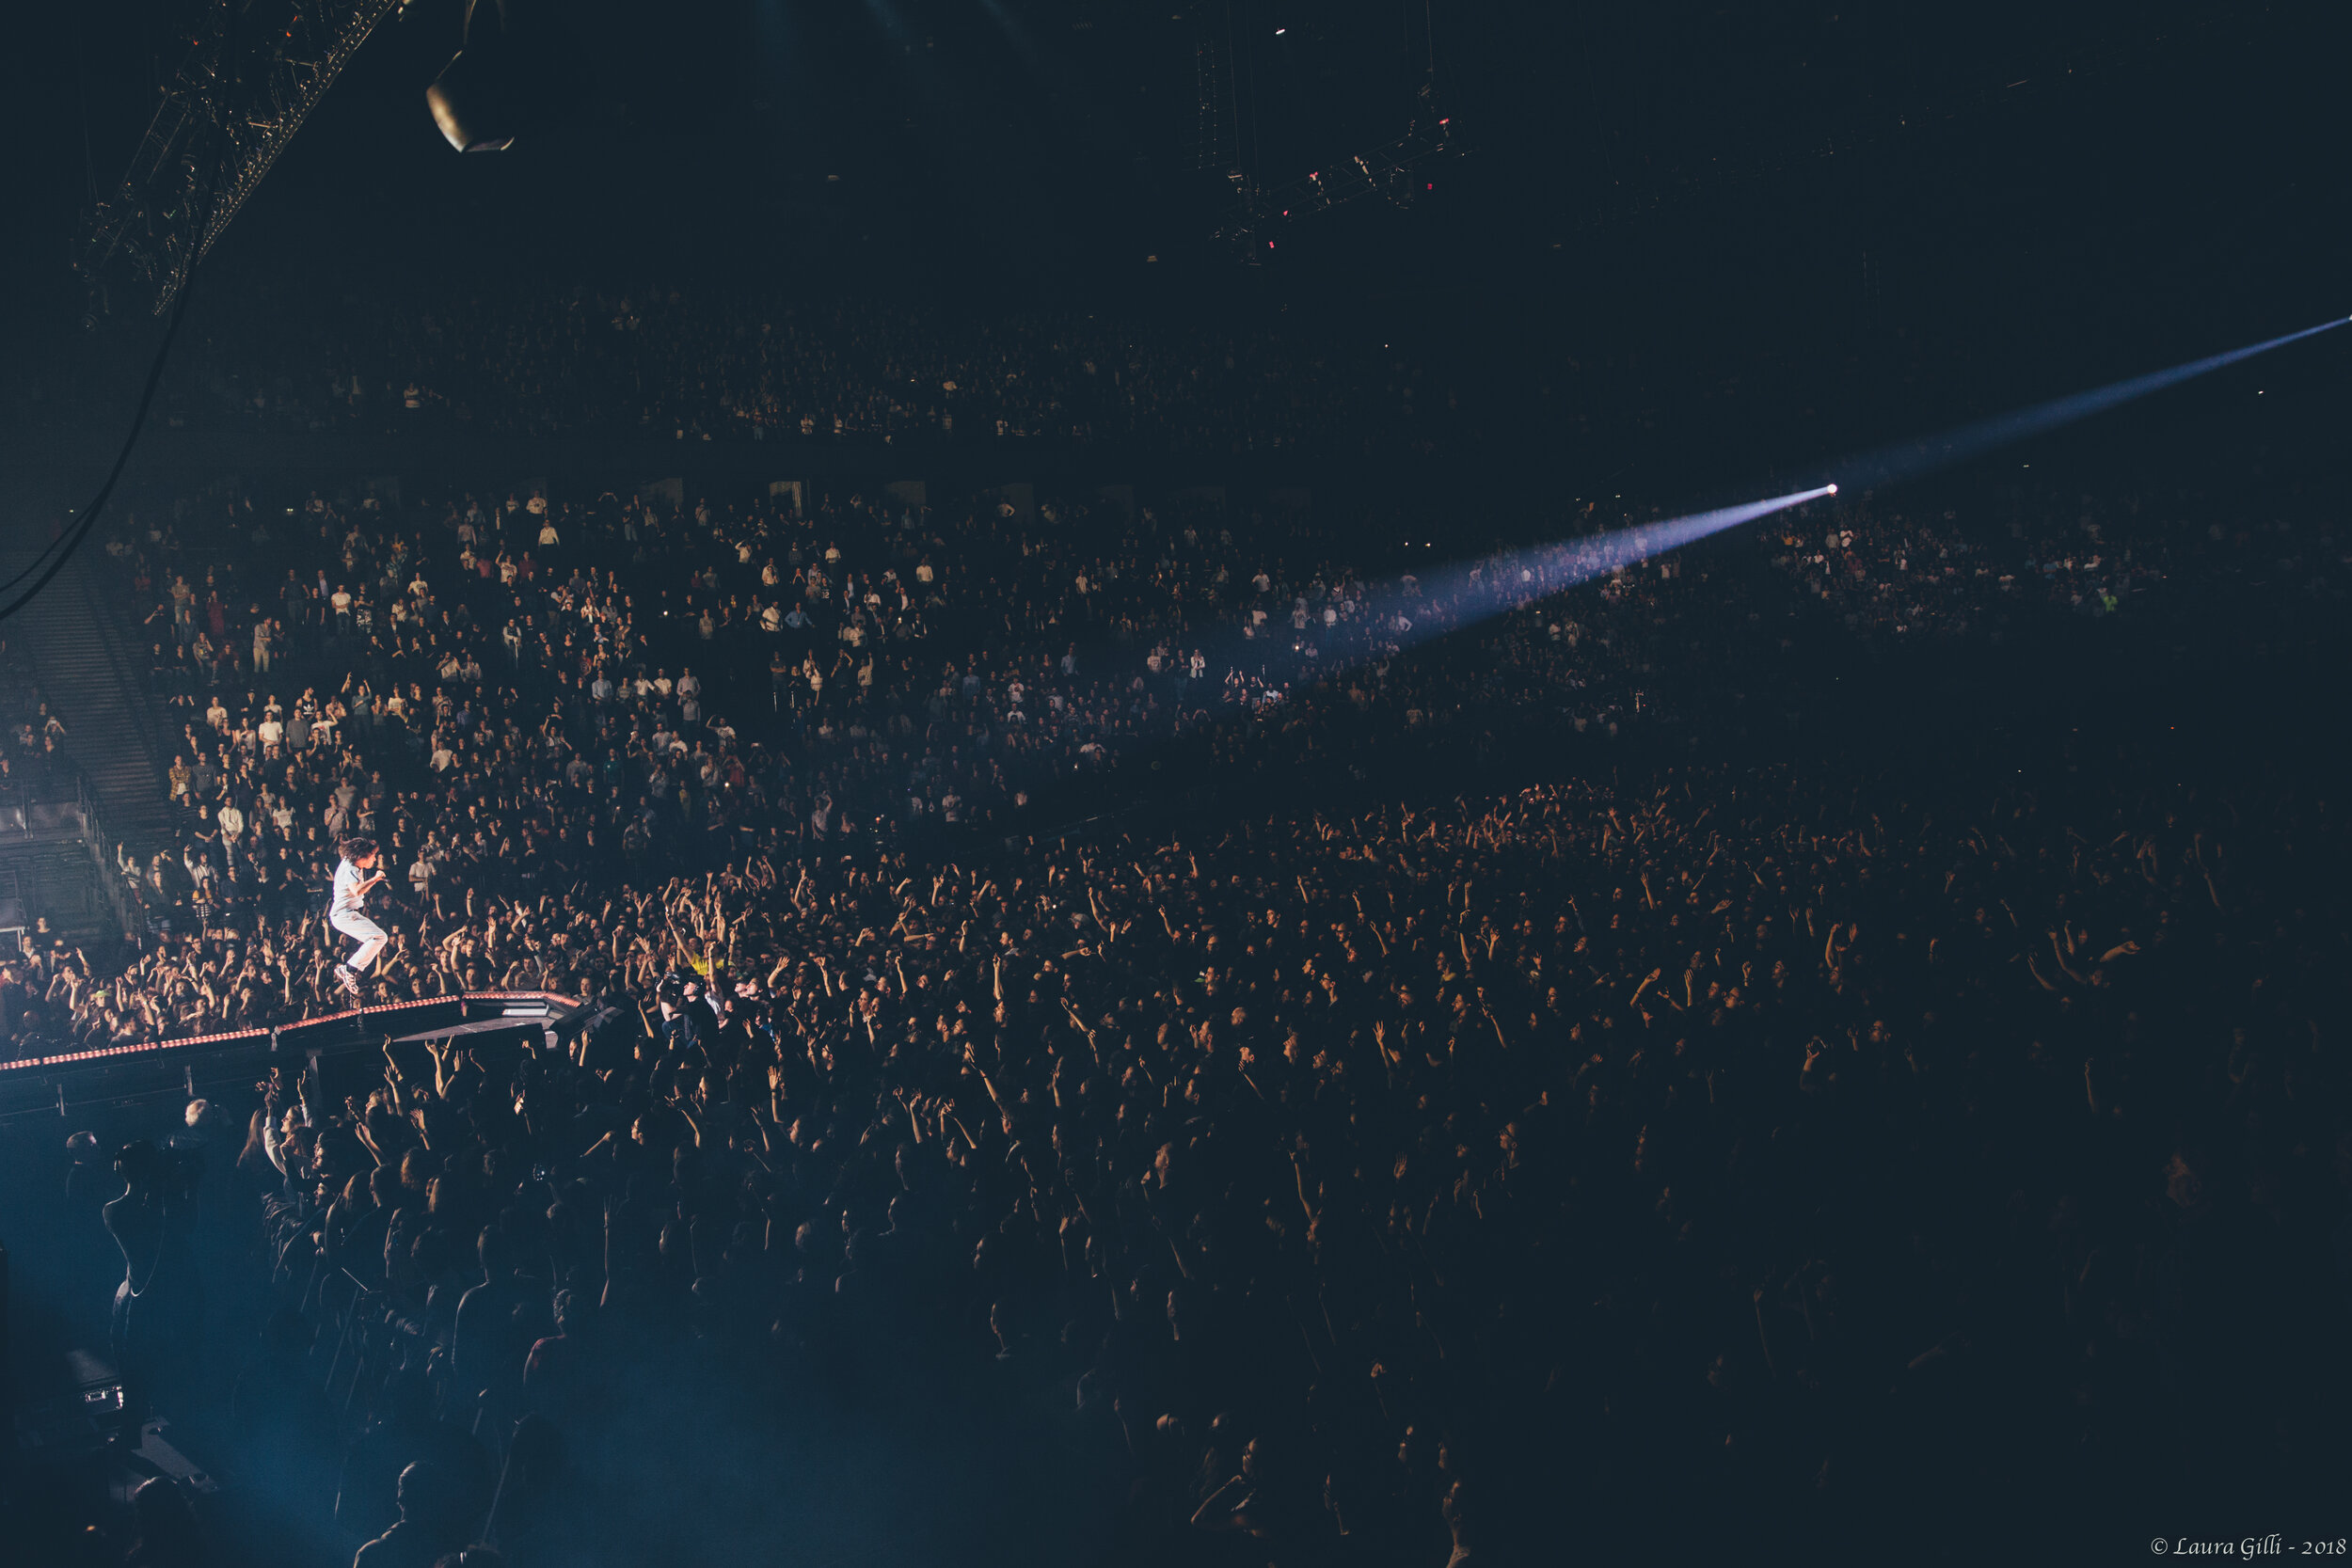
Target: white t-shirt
(348,898)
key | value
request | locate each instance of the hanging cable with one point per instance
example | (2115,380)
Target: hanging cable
(70,540)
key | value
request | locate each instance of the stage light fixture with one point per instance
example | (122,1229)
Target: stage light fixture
(469,104)
(482,100)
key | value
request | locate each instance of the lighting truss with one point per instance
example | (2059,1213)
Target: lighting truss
(1394,171)
(254,70)
(1216,144)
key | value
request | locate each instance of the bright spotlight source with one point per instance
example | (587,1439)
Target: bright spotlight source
(1833,490)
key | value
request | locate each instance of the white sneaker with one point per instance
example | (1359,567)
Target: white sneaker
(348,981)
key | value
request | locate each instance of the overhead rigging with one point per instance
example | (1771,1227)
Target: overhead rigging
(254,70)
(1396,171)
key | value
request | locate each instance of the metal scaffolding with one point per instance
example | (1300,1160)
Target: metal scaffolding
(1393,171)
(1216,140)
(253,72)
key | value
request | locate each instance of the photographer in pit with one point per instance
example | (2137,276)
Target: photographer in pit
(159,1307)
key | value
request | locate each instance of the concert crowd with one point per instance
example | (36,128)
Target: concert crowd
(1321,1176)
(736,364)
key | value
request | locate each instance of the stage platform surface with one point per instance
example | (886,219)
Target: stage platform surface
(53,1085)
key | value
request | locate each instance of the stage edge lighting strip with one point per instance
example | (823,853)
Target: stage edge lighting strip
(78,1059)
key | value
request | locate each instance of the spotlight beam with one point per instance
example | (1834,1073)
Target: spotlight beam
(1911,459)
(1624,547)
(1567,563)
(1479,589)
(1411,610)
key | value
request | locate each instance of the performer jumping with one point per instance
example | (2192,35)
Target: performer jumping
(348,912)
